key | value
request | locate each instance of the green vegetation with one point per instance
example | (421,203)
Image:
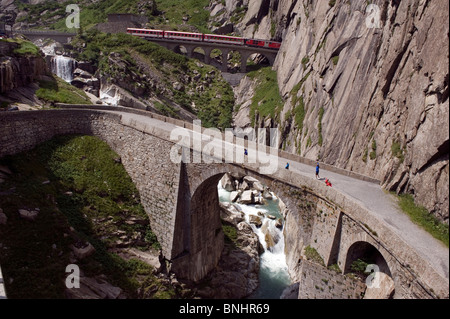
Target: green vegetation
(312,255)
(359,267)
(373,153)
(214,105)
(238,14)
(335,59)
(321,111)
(4,105)
(167,110)
(398,151)
(305,62)
(25,47)
(266,101)
(335,268)
(365,154)
(59,91)
(331,3)
(420,216)
(75,182)
(298,103)
(230,233)
(92,13)
(175,10)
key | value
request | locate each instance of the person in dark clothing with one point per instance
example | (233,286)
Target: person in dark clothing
(287,166)
(317,171)
(245,152)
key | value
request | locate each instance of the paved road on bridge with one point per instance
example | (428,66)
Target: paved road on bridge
(381,204)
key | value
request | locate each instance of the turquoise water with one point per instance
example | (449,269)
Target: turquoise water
(273,275)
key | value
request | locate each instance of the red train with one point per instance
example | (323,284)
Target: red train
(200,37)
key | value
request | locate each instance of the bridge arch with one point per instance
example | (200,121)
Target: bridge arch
(199,227)
(368,253)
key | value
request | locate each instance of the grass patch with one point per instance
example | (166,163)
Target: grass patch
(25,48)
(420,216)
(102,197)
(312,255)
(59,91)
(166,110)
(298,103)
(335,59)
(230,233)
(175,10)
(373,153)
(319,125)
(398,151)
(266,101)
(335,268)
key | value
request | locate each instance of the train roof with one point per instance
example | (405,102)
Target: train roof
(144,29)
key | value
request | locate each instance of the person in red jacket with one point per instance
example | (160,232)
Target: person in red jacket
(328,182)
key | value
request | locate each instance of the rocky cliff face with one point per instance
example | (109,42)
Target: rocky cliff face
(19,70)
(362,93)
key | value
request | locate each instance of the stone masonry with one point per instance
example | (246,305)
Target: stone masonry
(181,201)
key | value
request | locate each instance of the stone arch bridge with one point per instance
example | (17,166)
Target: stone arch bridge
(33,35)
(244,51)
(181,199)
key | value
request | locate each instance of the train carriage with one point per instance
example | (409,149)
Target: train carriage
(215,38)
(187,36)
(199,37)
(146,33)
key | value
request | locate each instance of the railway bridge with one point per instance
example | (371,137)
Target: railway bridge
(191,46)
(342,223)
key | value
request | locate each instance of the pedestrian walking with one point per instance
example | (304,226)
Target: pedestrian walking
(317,171)
(287,166)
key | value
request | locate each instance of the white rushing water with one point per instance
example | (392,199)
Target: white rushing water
(273,276)
(63,67)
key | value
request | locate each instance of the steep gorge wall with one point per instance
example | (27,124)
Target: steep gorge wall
(373,100)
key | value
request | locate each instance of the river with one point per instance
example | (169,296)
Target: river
(273,274)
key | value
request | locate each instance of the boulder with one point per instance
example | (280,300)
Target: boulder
(28,215)
(83,252)
(279,223)
(234,196)
(267,194)
(94,288)
(270,235)
(227,183)
(255,220)
(246,198)
(244,186)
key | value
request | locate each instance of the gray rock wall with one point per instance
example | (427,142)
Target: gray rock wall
(383,91)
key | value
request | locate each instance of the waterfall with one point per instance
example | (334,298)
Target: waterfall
(274,277)
(63,67)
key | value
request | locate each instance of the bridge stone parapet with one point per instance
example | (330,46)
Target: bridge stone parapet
(33,35)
